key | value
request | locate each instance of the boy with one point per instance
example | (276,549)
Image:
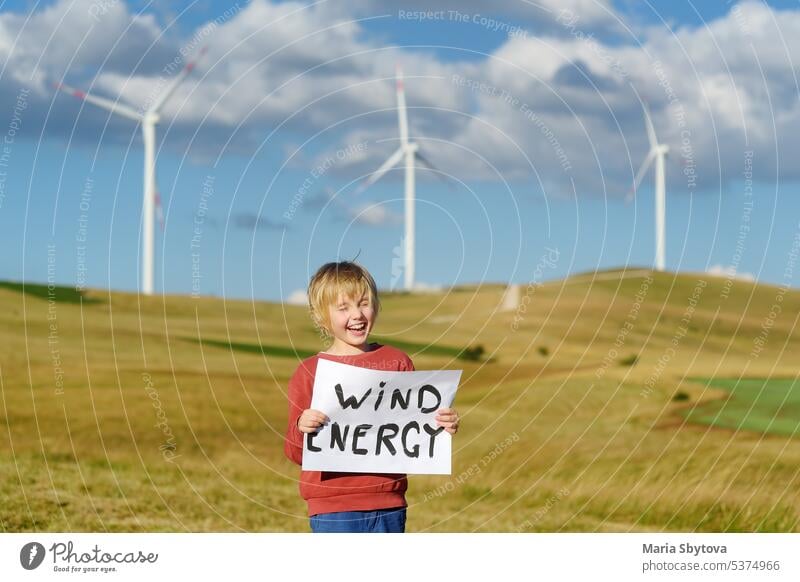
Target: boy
(344,305)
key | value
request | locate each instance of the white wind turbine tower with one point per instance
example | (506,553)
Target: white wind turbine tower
(658,152)
(148,117)
(409,152)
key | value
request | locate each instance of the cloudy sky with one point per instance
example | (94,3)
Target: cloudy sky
(531,113)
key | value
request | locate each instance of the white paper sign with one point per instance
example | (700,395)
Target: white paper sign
(380,421)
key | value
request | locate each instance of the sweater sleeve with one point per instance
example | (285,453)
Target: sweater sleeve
(299,394)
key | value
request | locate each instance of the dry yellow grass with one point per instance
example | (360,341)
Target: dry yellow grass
(595,442)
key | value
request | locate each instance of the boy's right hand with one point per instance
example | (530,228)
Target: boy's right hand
(311,420)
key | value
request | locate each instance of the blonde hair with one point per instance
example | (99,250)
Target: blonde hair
(346,277)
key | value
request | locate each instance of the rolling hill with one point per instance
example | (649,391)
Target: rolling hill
(622,401)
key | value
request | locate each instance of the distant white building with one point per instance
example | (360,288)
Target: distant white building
(510,300)
(298,297)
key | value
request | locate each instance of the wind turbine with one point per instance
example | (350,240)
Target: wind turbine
(658,152)
(148,118)
(409,152)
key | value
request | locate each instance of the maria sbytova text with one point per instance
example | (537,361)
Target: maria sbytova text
(685,548)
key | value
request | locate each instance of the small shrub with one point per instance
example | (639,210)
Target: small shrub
(472,353)
(543,350)
(680,396)
(630,360)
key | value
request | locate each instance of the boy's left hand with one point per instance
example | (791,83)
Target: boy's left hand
(448,418)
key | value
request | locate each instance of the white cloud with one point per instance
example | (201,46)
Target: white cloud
(706,93)
(374,215)
(570,95)
(74,33)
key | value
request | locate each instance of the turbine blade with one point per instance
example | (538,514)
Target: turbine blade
(177,81)
(651,131)
(436,171)
(108,104)
(640,174)
(391,162)
(402,115)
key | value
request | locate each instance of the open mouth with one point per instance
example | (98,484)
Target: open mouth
(358,328)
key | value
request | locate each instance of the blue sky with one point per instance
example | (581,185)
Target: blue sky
(286,86)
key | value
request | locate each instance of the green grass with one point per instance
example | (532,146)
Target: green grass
(765,405)
(471,353)
(55,292)
(594,440)
(276,351)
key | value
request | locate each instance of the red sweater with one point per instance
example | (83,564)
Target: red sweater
(327,491)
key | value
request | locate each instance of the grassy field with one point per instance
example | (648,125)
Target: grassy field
(627,403)
(766,405)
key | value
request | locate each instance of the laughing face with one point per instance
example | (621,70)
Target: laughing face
(351,321)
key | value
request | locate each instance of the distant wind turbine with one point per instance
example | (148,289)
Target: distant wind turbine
(408,151)
(148,118)
(658,152)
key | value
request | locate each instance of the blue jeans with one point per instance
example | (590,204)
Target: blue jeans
(377,521)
